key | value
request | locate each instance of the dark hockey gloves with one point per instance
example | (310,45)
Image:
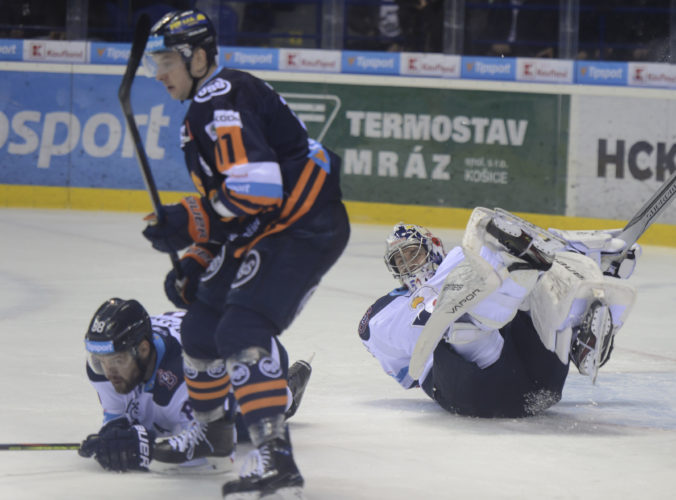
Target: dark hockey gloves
(193,263)
(183,224)
(120,446)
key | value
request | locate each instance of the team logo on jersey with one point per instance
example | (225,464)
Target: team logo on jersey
(416,302)
(269,367)
(189,371)
(218,86)
(247,269)
(134,409)
(239,374)
(167,379)
(214,266)
(364,332)
(216,369)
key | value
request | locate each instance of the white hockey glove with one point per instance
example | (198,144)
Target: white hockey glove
(603,248)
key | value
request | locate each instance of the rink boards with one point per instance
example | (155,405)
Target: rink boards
(429,148)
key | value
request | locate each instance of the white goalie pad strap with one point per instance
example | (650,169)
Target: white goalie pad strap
(467,284)
(475,230)
(563,294)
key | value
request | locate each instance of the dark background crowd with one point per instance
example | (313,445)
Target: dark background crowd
(627,30)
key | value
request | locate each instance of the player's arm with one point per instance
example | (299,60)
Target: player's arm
(118,445)
(385,331)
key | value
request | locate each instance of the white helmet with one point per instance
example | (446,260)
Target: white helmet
(413,254)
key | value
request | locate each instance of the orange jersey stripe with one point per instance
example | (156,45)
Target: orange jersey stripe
(258,200)
(280,226)
(257,404)
(260,387)
(208,384)
(298,189)
(204,396)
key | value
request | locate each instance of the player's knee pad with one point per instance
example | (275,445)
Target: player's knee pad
(563,294)
(209,387)
(260,388)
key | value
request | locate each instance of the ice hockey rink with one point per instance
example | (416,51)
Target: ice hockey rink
(357,434)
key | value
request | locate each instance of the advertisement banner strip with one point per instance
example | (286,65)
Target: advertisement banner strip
(359,212)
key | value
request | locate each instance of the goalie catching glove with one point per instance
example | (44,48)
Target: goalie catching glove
(193,263)
(120,446)
(184,223)
(604,248)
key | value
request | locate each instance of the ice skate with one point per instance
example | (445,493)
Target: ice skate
(592,339)
(270,472)
(199,444)
(298,378)
(532,245)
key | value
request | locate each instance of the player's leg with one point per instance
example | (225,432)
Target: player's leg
(209,391)
(504,389)
(577,311)
(281,274)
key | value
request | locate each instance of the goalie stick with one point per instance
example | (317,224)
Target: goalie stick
(645,216)
(453,306)
(39,446)
(124,94)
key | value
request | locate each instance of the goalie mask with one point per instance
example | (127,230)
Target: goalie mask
(413,254)
(181,32)
(113,341)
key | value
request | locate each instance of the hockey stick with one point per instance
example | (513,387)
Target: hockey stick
(124,94)
(645,217)
(39,446)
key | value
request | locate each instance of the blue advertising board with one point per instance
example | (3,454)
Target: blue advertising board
(601,73)
(488,68)
(65,130)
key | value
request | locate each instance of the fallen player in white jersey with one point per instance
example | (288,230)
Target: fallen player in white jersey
(506,351)
(135,364)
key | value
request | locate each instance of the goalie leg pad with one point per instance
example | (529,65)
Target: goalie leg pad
(563,295)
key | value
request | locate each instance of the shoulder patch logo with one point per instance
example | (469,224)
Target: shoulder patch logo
(218,86)
(167,378)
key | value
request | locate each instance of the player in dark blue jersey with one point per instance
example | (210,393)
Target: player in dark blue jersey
(267,225)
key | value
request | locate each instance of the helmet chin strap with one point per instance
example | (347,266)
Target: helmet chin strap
(195,80)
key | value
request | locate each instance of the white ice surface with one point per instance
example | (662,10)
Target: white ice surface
(357,435)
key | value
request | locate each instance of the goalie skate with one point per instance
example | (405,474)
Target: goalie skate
(592,340)
(523,239)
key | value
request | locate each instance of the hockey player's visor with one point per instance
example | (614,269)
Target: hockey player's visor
(118,362)
(161,62)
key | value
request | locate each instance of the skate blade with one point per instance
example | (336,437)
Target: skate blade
(290,493)
(197,467)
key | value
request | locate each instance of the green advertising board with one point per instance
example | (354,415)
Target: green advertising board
(441,147)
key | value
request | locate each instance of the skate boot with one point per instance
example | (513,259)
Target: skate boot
(592,340)
(530,244)
(198,441)
(271,472)
(298,378)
